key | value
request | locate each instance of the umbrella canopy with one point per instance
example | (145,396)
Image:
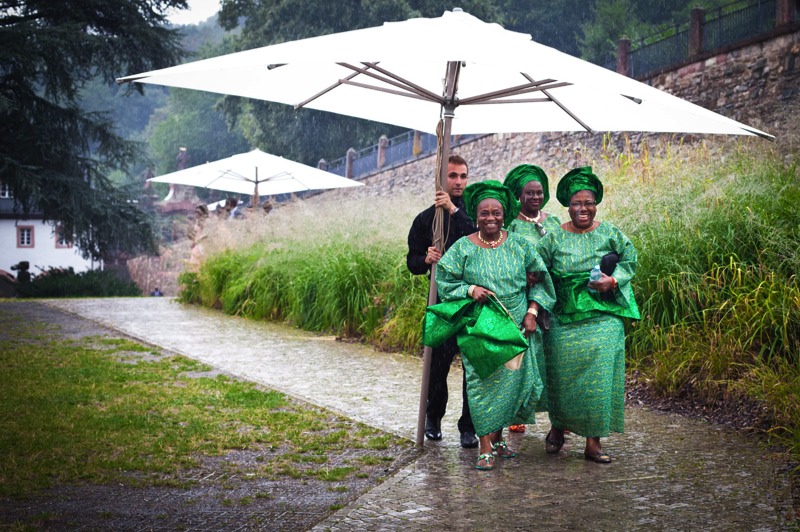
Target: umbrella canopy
(454,74)
(395,73)
(258,174)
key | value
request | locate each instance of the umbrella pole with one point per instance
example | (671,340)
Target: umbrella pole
(438,240)
(254,203)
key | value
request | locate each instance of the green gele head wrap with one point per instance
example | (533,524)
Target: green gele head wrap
(520,176)
(576,180)
(477,192)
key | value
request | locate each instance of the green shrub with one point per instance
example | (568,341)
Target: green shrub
(67,283)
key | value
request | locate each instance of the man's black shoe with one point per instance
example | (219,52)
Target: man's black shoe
(469,440)
(433,429)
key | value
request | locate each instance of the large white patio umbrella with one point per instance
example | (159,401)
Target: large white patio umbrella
(453,74)
(258,174)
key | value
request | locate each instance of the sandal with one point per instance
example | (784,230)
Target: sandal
(517,428)
(552,446)
(488,462)
(501,449)
(598,457)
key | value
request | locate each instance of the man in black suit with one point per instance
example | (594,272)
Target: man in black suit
(422,256)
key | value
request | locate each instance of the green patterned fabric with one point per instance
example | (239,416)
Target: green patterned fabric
(505,397)
(585,346)
(486,334)
(531,233)
(529,230)
(521,175)
(477,192)
(576,180)
(586,376)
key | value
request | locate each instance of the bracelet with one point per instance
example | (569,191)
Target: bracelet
(533,311)
(470,290)
(614,281)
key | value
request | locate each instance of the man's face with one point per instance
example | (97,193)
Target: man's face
(456,180)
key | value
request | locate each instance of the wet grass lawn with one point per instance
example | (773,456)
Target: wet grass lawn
(84,412)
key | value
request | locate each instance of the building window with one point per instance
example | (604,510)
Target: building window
(62,241)
(5,191)
(25,236)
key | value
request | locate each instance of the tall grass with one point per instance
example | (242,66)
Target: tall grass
(717,236)
(715,224)
(332,269)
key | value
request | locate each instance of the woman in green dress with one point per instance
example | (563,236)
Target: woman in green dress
(529,184)
(493,263)
(585,345)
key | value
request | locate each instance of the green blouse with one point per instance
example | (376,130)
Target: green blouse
(570,257)
(529,229)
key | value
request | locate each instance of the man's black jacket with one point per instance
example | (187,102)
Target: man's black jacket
(420,237)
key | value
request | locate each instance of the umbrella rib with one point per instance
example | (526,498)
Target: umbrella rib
(325,91)
(564,108)
(409,85)
(511,91)
(389,91)
(517,100)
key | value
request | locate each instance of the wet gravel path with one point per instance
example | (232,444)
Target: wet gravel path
(669,472)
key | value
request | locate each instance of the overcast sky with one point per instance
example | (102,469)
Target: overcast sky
(199,11)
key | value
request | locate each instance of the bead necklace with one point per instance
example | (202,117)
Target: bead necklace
(534,219)
(491,243)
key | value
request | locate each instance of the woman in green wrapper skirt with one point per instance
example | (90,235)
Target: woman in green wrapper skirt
(487,264)
(529,185)
(585,346)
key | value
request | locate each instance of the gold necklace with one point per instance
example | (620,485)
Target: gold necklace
(580,231)
(535,219)
(491,243)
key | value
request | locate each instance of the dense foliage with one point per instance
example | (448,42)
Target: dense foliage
(55,156)
(67,283)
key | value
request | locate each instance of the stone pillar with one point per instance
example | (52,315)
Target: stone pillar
(383,143)
(416,146)
(623,52)
(696,31)
(348,165)
(785,12)
(322,165)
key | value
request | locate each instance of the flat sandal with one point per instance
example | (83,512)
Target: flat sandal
(488,462)
(501,449)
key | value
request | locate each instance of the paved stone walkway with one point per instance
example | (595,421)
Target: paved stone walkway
(669,472)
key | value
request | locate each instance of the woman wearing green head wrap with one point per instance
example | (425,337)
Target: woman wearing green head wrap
(492,264)
(529,185)
(585,345)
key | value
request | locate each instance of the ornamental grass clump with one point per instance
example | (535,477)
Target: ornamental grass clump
(717,285)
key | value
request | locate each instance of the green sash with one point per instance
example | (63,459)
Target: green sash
(486,334)
(576,303)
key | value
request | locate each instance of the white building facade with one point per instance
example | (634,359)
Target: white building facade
(31,239)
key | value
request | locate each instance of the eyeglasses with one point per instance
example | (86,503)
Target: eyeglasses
(578,204)
(541,229)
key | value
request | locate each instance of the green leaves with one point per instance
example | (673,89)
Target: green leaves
(55,157)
